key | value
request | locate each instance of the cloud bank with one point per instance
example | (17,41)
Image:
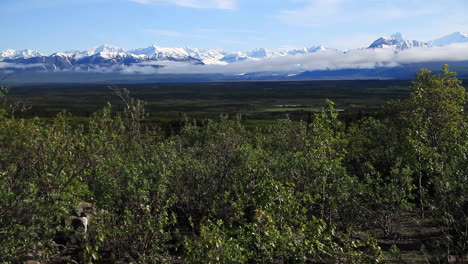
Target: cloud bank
(7,65)
(363,59)
(322,60)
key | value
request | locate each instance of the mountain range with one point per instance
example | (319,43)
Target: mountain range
(397,42)
(110,55)
(107,58)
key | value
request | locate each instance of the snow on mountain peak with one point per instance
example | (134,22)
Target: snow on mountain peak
(211,56)
(105,48)
(455,37)
(111,55)
(396,42)
(19,54)
(317,48)
(398,36)
(260,53)
(312,49)
(458,35)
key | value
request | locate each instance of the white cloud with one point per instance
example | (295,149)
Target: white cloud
(325,60)
(7,65)
(216,4)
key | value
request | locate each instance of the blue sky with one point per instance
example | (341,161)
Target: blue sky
(60,25)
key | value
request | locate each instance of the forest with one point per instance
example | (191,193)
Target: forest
(386,188)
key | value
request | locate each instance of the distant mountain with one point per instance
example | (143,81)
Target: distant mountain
(107,59)
(262,53)
(155,53)
(105,49)
(305,50)
(17,54)
(107,55)
(456,37)
(397,42)
(211,56)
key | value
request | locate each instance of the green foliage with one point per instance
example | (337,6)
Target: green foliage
(436,106)
(395,254)
(38,167)
(437,136)
(293,192)
(214,245)
(386,186)
(3,92)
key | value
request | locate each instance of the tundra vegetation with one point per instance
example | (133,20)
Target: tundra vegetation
(217,192)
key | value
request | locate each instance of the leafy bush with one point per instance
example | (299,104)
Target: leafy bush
(295,192)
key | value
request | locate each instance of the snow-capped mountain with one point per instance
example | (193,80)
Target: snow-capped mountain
(211,56)
(236,57)
(107,55)
(305,50)
(114,59)
(16,54)
(156,53)
(106,52)
(105,49)
(396,42)
(456,37)
(262,53)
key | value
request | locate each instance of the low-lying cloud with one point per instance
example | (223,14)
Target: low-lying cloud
(292,64)
(322,60)
(9,65)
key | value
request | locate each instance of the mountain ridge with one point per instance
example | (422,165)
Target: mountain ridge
(455,37)
(397,42)
(108,58)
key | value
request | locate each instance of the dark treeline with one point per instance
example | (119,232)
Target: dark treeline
(317,191)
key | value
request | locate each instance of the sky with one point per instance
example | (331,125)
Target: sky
(61,25)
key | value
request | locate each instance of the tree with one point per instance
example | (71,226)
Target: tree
(437,137)
(436,106)
(385,179)
(3,92)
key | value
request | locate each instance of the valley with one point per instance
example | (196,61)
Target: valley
(254,100)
